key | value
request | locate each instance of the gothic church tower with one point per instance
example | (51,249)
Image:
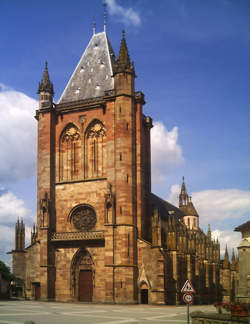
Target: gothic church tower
(92,195)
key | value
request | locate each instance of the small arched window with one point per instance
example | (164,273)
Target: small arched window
(95,150)
(69,160)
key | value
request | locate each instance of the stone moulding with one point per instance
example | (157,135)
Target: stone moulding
(76,236)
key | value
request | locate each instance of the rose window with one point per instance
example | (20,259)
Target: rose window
(83,218)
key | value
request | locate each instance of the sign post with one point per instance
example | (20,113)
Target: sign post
(188,298)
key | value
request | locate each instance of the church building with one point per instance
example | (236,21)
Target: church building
(101,234)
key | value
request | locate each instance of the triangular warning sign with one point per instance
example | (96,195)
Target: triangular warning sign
(188,288)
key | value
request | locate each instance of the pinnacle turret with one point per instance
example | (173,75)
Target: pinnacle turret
(226,259)
(123,63)
(19,235)
(46,85)
(233,263)
(209,231)
(183,197)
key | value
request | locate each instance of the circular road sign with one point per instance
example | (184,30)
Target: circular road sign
(188,298)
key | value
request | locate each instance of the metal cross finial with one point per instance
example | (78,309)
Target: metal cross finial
(123,33)
(105,15)
(94,25)
(46,65)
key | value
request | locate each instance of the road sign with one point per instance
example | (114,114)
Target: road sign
(188,288)
(188,298)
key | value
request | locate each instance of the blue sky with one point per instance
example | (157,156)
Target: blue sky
(193,64)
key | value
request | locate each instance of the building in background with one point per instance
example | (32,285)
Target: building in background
(101,234)
(243,287)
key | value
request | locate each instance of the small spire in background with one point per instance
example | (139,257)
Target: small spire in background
(209,231)
(105,15)
(94,26)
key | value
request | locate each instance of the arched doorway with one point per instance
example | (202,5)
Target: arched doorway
(144,293)
(82,276)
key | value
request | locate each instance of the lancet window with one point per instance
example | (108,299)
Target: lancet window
(95,150)
(69,159)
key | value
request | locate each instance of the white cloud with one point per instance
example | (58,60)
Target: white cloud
(220,205)
(17,135)
(166,152)
(227,238)
(11,207)
(126,16)
(173,197)
(6,243)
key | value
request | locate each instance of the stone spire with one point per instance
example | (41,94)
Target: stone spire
(226,259)
(209,231)
(233,263)
(46,85)
(123,63)
(183,197)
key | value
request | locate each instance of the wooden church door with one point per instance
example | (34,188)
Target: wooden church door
(85,285)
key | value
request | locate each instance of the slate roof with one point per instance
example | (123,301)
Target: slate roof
(93,74)
(165,208)
(189,209)
(243,227)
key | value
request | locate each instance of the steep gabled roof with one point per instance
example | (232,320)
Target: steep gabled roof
(93,74)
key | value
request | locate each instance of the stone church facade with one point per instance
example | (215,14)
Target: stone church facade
(101,235)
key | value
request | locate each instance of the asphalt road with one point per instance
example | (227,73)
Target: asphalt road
(17,312)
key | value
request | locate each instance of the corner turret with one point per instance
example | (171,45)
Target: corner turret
(124,72)
(45,90)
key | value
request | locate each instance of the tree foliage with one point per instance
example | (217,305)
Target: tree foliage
(5,271)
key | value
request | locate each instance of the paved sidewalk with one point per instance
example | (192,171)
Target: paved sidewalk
(17,312)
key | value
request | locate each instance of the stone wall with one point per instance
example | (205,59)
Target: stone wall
(32,269)
(151,272)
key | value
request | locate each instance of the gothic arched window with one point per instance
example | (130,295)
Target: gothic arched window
(69,159)
(95,150)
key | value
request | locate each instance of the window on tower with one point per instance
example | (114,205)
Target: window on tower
(95,150)
(69,155)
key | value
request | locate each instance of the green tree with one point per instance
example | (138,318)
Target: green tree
(5,270)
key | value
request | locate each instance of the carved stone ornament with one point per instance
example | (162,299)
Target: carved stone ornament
(83,218)
(97,130)
(71,134)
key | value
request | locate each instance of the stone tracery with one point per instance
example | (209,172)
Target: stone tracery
(95,150)
(69,156)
